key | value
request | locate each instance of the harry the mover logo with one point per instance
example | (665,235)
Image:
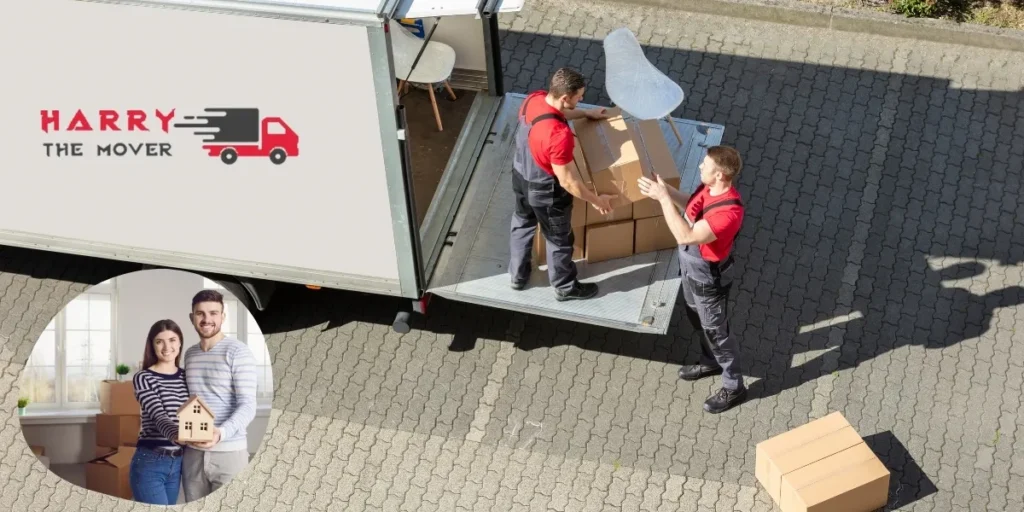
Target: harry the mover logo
(228,133)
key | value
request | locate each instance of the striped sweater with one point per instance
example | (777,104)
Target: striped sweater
(225,378)
(160,395)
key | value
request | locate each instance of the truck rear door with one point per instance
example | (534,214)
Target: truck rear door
(638,293)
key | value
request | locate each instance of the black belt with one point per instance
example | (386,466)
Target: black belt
(163,450)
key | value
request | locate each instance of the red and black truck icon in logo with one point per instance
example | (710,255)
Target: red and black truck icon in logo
(240,132)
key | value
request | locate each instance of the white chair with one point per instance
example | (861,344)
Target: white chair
(435,65)
(636,85)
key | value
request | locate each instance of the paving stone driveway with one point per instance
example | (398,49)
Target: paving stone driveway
(882,262)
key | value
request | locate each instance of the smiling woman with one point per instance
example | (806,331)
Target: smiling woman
(187,415)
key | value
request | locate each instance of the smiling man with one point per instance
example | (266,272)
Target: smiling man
(713,218)
(222,372)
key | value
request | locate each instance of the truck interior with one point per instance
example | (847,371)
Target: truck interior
(459,161)
(437,81)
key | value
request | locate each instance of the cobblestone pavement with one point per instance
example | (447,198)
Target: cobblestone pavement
(881,270)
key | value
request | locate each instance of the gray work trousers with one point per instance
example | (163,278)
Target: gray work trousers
(203,472)
(706,288)
(549,205)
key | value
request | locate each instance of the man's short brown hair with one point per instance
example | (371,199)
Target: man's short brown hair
(727,159)
(208,296)
(566,82)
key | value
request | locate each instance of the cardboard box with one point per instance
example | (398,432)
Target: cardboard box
(619,151)
(620,213)
(588,181)
(652,234)
(821,466)
(647,208)
(118,397)
(853,480)
(540,255)
(117,430)
(108,473)
(609,241)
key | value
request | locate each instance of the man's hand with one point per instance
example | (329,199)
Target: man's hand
(656,190)
(597,113)
(604,203)
(210,444)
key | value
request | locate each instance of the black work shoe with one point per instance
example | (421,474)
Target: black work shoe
(579,291)
(518,285)
(724,399)
(698,371)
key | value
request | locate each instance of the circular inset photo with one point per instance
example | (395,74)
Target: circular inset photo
(154,386)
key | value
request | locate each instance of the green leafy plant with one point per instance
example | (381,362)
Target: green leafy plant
(22,403)
(958,10)
(122,370)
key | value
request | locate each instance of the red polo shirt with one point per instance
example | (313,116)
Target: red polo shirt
(551,140)
(725,220)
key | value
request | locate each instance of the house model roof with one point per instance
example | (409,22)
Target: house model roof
(192,400)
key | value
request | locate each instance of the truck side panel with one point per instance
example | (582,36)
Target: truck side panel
(129,170)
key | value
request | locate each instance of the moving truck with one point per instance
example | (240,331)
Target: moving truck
(267,141)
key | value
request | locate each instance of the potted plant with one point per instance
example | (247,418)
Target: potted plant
(122,370)
(22,403)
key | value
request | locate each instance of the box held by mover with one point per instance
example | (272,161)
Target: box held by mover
(619,151)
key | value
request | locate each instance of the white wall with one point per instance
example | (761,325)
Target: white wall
(147,296)
(465,34)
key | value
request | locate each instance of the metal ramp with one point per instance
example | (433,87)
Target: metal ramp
(637,293)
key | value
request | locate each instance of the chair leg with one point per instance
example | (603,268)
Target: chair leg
(433,101)
(674,129)
(451,93)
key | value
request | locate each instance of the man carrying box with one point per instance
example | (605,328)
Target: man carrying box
(545,181)
(714,215)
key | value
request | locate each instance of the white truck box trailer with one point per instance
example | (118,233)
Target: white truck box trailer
(264,141)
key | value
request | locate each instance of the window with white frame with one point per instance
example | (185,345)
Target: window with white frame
(245,329)
(73,354)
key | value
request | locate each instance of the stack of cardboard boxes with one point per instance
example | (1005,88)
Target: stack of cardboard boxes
(117,433)
(611,155)
(822,466)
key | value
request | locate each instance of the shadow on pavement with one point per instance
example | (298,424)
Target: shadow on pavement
(907,481)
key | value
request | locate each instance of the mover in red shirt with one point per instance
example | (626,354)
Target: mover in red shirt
(544,180)
(706,234)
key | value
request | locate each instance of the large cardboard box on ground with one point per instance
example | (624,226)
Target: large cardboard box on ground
(619,151)
(108,473)
(118,397)
(822,466)
(117,430)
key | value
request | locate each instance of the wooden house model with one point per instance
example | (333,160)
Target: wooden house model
(195,421)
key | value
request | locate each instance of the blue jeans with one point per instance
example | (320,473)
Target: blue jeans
(155,478)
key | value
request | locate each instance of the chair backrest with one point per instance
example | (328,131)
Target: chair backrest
(404,47)
(633,83)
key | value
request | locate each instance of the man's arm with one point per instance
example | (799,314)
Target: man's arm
(243,384)
(700,233)
(568,178)
(678,197)
(579,113)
